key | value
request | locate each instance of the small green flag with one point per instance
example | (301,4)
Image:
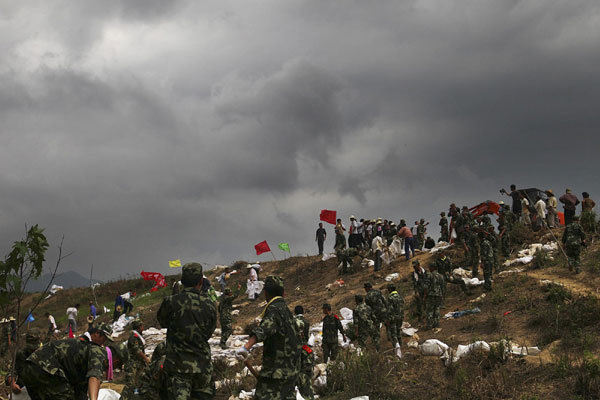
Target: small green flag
(284,247)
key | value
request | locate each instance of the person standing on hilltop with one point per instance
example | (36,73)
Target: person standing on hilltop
(72,318)
(444,236)
(516,199)
(409,246)
(354,237)
(320,237)
(434,296)
(569,201)
(552,206)
(340,238)
(190,318)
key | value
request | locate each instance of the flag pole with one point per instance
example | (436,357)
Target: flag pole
(271,251)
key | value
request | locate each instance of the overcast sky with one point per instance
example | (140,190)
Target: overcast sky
(148,130)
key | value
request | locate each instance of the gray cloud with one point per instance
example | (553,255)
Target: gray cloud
(148,131)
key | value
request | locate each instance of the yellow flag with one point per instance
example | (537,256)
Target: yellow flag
(175,263)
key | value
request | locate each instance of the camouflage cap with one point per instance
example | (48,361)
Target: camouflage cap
(33,336)
(273,282)
(136,324)
(106,330)
(192,271)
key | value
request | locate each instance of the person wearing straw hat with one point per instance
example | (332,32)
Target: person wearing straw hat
(68,368)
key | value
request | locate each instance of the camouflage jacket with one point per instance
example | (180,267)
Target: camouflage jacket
(134,347)
(376,301)
(487,251)
(494,239)
(303,327)
(281,353)
(472,241)
(395,306)
(436,285)
(331,326)
(190,318)
(159,351)
(74,360)
(458,222)
(362,317)
(420,231)
(444,223)
(420,281)
(22,356)
(226,306)
(444,266)
(573,234)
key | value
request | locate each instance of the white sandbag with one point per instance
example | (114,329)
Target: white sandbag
(477,346)
(328,256)
(22,396)
(346,313)
(433,347)
(398,350)
(366,263)
(391,277)
(108,394)
(360,398)
(525,351)
(473,282)
(321,381)
(461,273)
(409,331)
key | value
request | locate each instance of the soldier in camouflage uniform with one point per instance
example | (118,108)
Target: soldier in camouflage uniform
(190,318)
(159,351)
(444,235)
(340,238)
(33,341)
(420,235)
(395,310)
(487,259)
(307,358)
(345,257)
(136,361)
(374,299)
(225,308)
(444,267)
(573,238)
(505,224)
(434,296)
(471,246)
(362,317)
(282,346)
(420,280)
(331,327)
(5,339)
(68,368)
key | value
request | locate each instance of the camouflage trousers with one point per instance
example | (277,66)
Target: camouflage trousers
(43,386)
(340,242)
(434,303)
(487,274)
(225,331)
(505,244)
(395,330)
(181,386)
(444,235)
(473,261)
(420,305)
(573,255)
(330,350)
(133,371)
(366,332)
(307,362)
(275,389)
(496,263)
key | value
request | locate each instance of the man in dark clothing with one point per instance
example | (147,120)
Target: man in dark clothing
(570,202)
(282,346)
(320,237)
(516,199)
(190,318)
(331,327)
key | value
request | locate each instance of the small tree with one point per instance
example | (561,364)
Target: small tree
(23,263)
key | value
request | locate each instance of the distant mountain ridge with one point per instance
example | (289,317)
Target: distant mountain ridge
(67,279)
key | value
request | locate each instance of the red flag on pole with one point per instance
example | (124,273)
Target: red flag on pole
(156,277)
(262,247)
(328,216)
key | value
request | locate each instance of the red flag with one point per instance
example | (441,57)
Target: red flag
(328,216)
(156,277)
(71,332)
(262,247)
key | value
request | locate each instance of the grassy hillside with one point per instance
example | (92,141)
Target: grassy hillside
(562,317)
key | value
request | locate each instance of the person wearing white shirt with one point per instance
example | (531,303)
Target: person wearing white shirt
(525,218)
(540,209)
(72,317)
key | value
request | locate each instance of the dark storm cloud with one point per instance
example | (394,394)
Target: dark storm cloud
(148,130)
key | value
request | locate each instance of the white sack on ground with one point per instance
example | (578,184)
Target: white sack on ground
(328,256)
(473,282)
(346,313)
(391,277)
(108,394)
(433,347)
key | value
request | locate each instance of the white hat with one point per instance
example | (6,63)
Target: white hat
(501,203)
(352,217)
